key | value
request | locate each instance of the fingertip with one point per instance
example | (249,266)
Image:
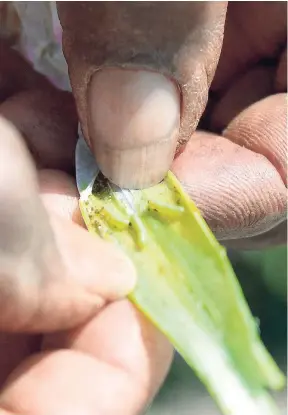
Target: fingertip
(59,195)
(122,337)
(133,125)
(48,383)
(98,266)
(262,128)
(47,119)
(238,191)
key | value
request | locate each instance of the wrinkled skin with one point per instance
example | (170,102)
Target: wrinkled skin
(233,166)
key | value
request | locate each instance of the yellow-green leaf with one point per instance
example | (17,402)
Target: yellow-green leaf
(187,288)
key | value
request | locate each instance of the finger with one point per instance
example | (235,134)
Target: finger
(16,74)
(117,354)
(239,192)
(262,128)
(47,119)
(253,31)
(126,85)
(120,335)
(50,277)
(100,391)
(14,348)
(60,195)
(249,88)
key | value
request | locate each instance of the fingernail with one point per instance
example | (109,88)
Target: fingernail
(133,121)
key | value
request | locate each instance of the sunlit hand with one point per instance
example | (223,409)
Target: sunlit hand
(82,352)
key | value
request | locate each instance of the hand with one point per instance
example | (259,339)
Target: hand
(141,73)
(65,346)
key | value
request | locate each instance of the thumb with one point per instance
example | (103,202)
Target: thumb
(53,274)
(140,73)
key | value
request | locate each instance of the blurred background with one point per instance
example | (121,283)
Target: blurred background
(263,276)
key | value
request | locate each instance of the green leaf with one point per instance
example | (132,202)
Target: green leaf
(188,289)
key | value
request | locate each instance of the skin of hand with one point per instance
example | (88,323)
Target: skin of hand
(65,345)
(234,168)
(141,76)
